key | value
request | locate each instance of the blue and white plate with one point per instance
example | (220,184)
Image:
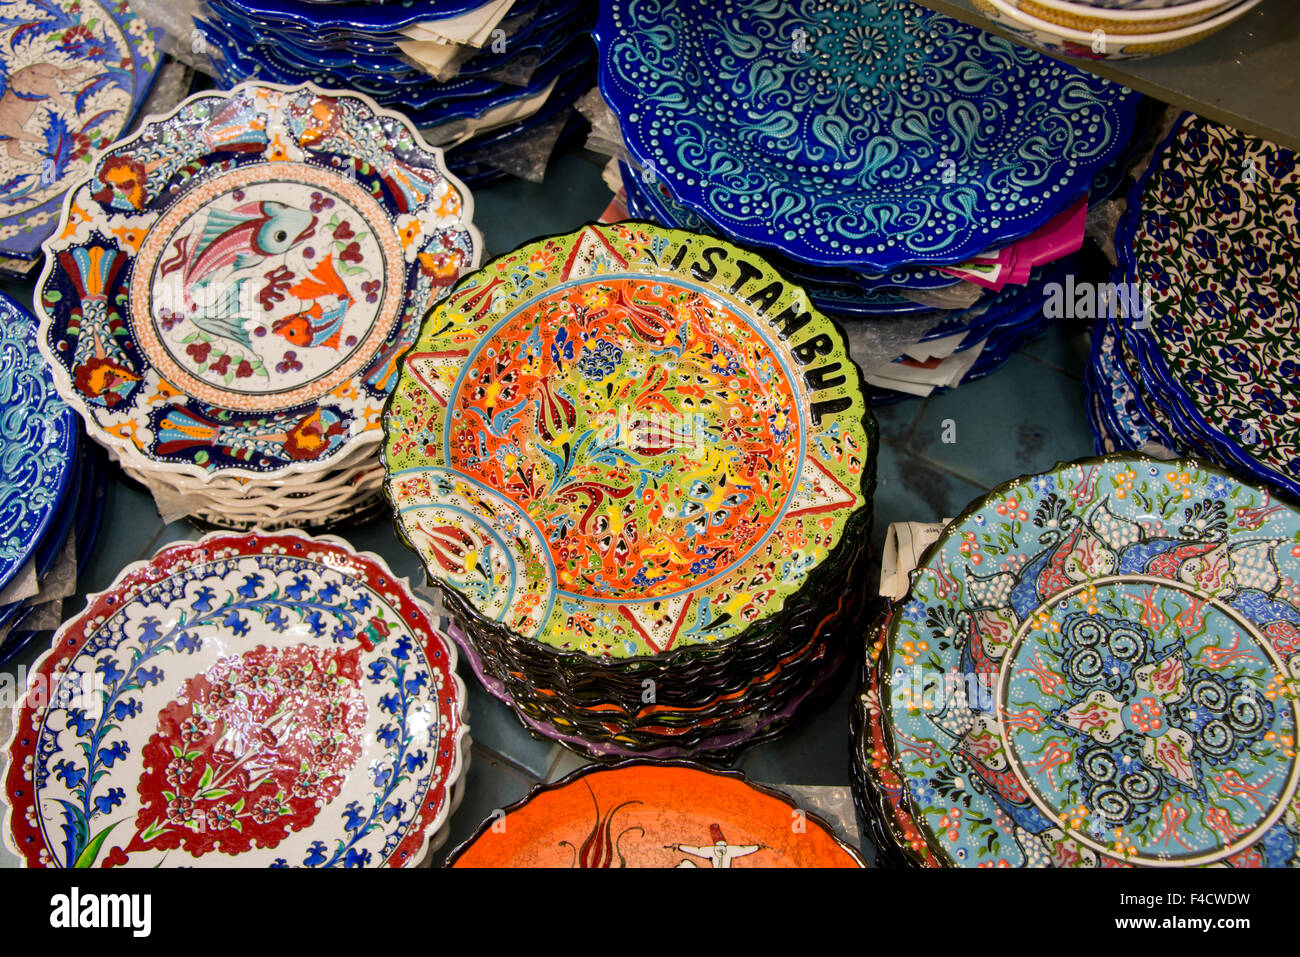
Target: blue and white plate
(39,437)
(72,75)
(868,134)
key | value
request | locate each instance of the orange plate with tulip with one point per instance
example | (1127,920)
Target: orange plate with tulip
(654,814)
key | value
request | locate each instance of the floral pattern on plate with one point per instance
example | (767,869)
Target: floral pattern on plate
(248,699)
(38,442)
(1100,666)
(232,288)
(627,439)
(72,74)
(875,134)
(1219,348)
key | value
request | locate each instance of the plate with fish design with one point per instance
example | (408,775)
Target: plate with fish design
(230,290)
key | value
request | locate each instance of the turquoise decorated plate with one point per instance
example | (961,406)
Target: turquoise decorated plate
(1097,666)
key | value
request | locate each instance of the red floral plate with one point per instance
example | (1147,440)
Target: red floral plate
(244,700)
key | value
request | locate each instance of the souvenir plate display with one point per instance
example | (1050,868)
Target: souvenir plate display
(72,75)
(39,442)
(628,455)
(230,290)
(1100,666)
(1206,250)
(245,700)
(662,814)
(819,162)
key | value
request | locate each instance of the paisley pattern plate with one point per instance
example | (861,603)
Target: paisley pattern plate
(1219,350)
(654,815)
(1100,666)
(246,700)
(874,134)
(230,291)
(627,440)
(72,75)
(38,442)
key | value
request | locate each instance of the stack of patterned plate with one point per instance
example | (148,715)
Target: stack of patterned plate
(1197,352)
(232,701)
(850,141)
(661,814)
(1095,666)
(639,466)
(1113,29)
(51,494)
(72,75)
(482,78)
(229,293)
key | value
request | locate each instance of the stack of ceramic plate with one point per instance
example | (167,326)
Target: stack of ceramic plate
(661,814)
(73,72)
(229,293)
(516,75)
(51,500)
(1113,29)
(639,466)
(793,128)
(233,700)
(1095,667)
(1197,352)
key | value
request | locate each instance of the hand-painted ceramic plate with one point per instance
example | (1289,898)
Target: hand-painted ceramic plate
(1100,666)
(875,134)
(1211,234)
(654,815)
(230,290)
(72,75)
(244,700)
(627,440)
(38,442)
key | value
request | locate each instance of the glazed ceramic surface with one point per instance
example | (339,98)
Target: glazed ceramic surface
(72,74)
(1212,233)
(252,700)
(626,440)
(876,134)
(1097,666)
(38,442)
(231,289)
(654,815)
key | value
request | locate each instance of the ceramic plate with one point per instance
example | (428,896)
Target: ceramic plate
(1220,347)
(874,134)
(627,440)
(38,441)
(1100,666)
(72,75)
(654,815)
(243,700)
(231,289)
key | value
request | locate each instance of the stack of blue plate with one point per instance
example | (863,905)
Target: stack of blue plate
(1196,353)
(864,147)
(51,485)
(540,52)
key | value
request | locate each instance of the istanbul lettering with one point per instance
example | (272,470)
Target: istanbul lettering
(787,323)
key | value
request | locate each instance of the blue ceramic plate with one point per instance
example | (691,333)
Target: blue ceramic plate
(38,442)
(72,75)
(871,134)
(1095,667)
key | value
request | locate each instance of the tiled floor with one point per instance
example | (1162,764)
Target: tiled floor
(1024,418)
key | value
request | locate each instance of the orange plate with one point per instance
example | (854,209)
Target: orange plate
(643,814)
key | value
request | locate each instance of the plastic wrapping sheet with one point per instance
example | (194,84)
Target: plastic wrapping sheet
(526,157)
(181,38)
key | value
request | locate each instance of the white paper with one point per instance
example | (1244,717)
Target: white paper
(905,543)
